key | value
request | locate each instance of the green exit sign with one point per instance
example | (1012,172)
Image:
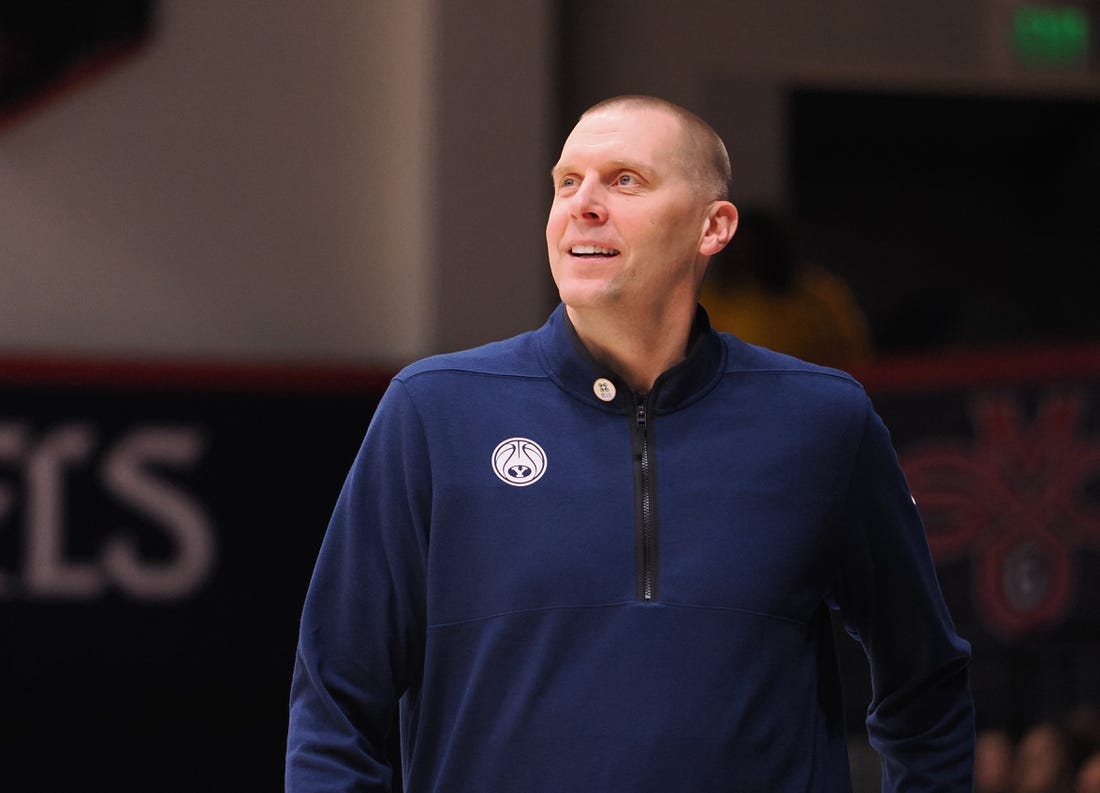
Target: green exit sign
(1051,36)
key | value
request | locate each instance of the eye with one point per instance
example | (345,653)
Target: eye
(625,179)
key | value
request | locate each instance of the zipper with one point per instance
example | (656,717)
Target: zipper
(645,523)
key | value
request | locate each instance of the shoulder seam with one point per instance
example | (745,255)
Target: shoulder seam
(842,378)
(404,378)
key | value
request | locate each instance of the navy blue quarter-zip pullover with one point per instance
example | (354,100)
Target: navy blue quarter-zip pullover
(572,588)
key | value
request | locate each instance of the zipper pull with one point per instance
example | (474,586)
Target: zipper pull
(640,412)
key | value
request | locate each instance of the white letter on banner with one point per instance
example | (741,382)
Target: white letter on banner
(125,476)
(47,573)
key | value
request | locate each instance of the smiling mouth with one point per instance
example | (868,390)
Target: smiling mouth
(585,251)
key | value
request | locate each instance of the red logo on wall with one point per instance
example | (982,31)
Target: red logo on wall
(1020,499)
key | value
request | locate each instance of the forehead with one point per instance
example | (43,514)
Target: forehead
(646,135)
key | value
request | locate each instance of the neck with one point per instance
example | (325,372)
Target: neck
(639,349)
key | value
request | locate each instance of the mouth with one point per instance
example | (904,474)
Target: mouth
(592,251)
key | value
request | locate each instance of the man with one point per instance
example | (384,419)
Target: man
(601,556)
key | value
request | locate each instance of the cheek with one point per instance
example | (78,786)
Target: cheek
(671,237)
(556,221)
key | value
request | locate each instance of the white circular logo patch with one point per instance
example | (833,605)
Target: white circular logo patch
(519,461)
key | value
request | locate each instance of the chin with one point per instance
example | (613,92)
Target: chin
(585,295)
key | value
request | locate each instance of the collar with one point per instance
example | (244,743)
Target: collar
(575,371)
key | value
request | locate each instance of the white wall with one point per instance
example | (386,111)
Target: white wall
(261,181)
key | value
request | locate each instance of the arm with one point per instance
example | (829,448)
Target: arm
(361,640)
(921,715)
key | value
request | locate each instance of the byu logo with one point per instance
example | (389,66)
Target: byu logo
(519,461)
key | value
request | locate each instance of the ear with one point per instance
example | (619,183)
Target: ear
(720,224)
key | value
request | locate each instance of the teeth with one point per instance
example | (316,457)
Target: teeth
(583,249)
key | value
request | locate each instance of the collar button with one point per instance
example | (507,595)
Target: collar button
(604,389)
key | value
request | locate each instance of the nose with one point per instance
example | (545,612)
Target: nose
(588,203)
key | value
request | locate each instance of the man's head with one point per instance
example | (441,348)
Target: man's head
(639,206)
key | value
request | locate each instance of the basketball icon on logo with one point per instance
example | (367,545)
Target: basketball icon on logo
(519,461)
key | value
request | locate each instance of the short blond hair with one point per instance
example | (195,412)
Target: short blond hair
(705,156)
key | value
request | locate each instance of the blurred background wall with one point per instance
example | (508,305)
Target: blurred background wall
(365,181)
(220,237)
(274,180)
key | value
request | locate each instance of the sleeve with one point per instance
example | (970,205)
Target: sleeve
(921,718)
(361,638)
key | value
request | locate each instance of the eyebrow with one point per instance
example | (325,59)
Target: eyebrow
(614,165)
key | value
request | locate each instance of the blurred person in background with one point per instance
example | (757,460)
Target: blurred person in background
(761,289)
(1088,776)
(1083,728)
(993,761)
(1043,761)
